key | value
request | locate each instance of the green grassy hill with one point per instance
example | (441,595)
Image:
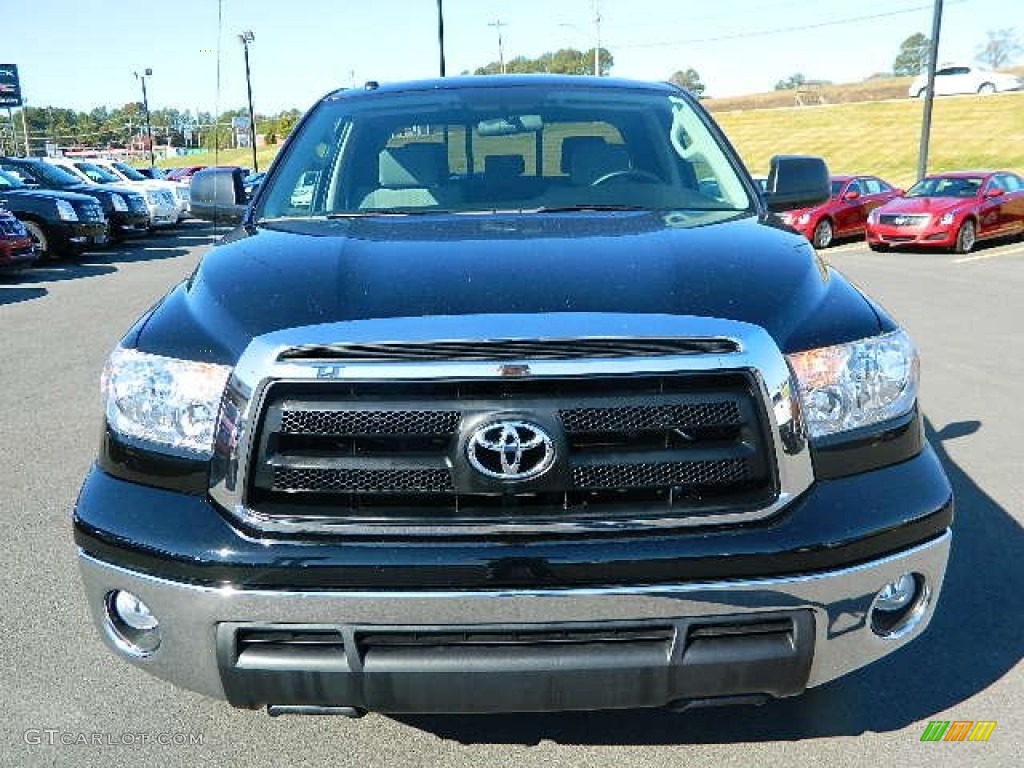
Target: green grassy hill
(881,137)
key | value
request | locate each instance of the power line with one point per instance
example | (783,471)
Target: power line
(781,30)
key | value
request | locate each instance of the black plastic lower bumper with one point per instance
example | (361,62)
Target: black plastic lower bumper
(516,669)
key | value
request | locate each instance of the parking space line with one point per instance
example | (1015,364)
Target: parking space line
(989,255)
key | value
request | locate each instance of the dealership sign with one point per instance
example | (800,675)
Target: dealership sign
(10,88)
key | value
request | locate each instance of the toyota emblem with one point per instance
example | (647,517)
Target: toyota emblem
(510,450)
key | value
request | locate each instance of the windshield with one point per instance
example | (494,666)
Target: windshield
(48,174)
(128,172)
(520,148)
(97,174)
(942,186)
(7,181)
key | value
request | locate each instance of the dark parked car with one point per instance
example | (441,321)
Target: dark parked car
(125,211)
(152,172)
(60,223)
(509,395)
(951,210)
(17,251)
(845,213)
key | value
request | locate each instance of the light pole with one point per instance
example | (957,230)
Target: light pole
(245,38)
(926,118)
(440,35)
(498,24)
(147,72)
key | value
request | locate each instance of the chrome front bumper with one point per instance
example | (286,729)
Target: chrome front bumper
(839,600)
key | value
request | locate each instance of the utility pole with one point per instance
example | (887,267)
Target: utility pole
(24,127)
(498,24)
(145,105)
(440,35)
(926,122)
(597,35)
(246,38)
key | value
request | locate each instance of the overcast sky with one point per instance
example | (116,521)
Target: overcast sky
(304,48)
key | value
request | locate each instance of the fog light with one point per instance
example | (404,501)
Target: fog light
(131,624)
(896,594)
(899,605)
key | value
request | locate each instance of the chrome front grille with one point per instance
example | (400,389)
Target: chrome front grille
(337,429)
(380,454)
(136,203)
(902,220)
(89,212)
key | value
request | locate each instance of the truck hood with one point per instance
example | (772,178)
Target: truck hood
(306,273)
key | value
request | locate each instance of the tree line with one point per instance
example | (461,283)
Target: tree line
(106,127)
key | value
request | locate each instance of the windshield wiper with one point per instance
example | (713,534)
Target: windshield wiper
(388,212)
(585,207)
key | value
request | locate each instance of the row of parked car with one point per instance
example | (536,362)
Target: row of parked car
(56,207)
(952,211)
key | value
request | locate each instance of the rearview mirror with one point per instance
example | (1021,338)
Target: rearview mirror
(218,195)
(796,181)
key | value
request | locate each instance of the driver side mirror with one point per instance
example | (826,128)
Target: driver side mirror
(853,194)
(796,181)
(994,192)
(218,195)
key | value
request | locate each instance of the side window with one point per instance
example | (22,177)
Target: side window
(854,186)
(1011,183)
(872,186)
(945,71)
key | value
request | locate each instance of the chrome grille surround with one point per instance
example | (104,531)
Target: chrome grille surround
(265,363)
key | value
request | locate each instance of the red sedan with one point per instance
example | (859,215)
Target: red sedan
(952,211)
(183,174)
(17,251)
(844,214)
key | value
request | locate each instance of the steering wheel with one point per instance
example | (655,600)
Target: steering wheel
(636,173)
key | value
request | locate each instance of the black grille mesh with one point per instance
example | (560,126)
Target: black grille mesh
(646,475)
(369,422)
(362,480)
(650,417)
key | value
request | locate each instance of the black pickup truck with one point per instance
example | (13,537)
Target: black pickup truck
(60,223)
(511,394)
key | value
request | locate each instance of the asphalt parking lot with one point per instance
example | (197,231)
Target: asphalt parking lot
(58,324)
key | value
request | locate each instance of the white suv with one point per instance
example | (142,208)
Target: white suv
(161,204)
(960,78)
(131,176)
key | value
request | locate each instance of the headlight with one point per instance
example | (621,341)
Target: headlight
(118,202)
(163,400)
(803,218)
(857,384)
(947,218)
(66,211)
(152,197)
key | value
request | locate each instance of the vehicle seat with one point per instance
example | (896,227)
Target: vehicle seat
(411,176)
(571,144)
(589,162)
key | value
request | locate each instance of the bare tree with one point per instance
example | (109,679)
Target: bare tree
(1002,46)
